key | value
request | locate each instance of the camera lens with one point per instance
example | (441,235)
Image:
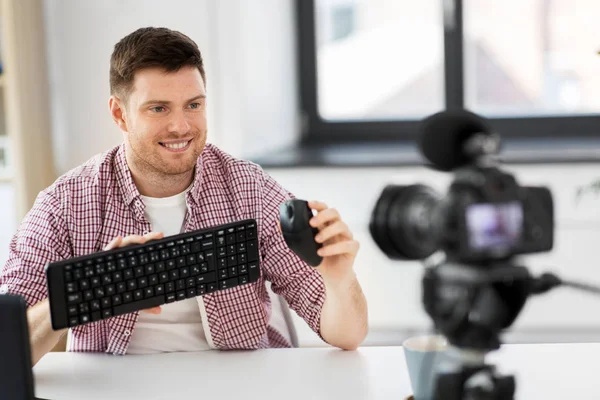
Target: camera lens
(401,222)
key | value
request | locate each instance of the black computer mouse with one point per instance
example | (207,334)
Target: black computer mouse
(298,234)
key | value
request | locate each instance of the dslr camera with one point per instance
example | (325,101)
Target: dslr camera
(485,217)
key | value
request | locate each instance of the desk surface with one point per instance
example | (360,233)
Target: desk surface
(543,371)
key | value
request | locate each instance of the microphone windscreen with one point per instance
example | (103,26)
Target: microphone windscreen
(443,136)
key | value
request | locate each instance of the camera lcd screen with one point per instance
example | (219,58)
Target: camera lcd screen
(494,226)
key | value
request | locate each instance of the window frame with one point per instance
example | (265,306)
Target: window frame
(315,130)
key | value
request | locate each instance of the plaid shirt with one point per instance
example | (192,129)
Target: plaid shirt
(90,205)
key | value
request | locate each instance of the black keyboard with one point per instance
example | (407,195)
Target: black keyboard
(120,281)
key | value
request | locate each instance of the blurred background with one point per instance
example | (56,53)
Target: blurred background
(326,95)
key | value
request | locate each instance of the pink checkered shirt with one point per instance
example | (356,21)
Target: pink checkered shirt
(87,207)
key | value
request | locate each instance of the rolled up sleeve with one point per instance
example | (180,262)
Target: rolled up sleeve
(300,284)
(40,238)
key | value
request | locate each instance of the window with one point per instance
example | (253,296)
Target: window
(372,69)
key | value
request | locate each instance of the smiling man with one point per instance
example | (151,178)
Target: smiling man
(165,179)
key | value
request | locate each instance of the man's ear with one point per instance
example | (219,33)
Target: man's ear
(117,111)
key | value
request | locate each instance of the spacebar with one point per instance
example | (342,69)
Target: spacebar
(139,305)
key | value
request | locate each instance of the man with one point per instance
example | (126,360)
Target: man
(165,179)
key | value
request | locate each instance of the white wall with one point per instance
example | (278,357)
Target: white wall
(247,48)
(393,288)
(249,51)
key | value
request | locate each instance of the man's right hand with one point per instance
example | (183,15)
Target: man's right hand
(120,241)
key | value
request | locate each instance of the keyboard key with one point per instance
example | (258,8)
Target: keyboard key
(84,318)
(139,305)
(211,287)
(84,308)
(71,287)
(117,300)
(181,295)
(243,279)
(95,305)
(223,274)
(74,298)
(228,283)
(110,290)
(127,297)
(96,316)
(206,278)
(253,271)
(210,260)
(230,238)
(107,313)
(171,297)
(159,289)
(252,250)
(191,292)
(105,302)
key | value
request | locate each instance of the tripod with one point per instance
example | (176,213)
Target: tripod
(470,305)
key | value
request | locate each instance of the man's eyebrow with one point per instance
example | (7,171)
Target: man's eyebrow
(167,102)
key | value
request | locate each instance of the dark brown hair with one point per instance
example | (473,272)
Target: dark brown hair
(149,48)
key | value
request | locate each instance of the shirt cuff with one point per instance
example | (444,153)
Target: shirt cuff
(312,298)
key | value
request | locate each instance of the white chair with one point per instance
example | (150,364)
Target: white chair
(281,317)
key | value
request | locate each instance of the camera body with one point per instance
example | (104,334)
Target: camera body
(485,217)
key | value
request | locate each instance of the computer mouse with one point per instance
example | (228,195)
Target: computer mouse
(298,234)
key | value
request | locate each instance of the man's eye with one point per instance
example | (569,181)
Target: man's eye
(158,109)
(195,105)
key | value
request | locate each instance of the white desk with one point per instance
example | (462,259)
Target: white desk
(561,371)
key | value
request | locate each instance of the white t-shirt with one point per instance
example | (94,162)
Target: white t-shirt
(179,325)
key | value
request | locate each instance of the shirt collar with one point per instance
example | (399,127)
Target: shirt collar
(130,191)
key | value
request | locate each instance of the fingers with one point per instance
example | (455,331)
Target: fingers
(338,228)
(317,205)
(154,310)
(119,241)
(116,242)
(346,247)
(325,217)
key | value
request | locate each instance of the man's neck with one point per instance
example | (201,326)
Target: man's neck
(154,184)
(163,186)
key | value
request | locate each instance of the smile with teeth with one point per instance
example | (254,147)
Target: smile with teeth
(176,146)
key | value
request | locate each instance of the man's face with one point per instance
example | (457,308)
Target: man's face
(165,119)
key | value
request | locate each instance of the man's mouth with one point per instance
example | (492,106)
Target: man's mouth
(176,146)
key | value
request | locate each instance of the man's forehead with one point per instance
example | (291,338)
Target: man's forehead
(156,82)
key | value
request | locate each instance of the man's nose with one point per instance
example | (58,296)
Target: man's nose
(179,123)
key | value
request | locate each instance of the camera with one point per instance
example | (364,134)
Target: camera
(484,217)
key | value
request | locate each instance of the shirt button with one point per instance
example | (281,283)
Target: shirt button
(3,289)
(127,333)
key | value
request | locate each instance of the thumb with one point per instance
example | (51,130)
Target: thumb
(153,310)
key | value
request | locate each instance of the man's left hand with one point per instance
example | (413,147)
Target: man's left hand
(339,247)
